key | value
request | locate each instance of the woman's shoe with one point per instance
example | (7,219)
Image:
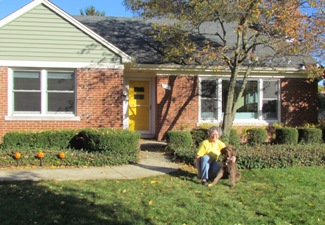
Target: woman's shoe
(204,182)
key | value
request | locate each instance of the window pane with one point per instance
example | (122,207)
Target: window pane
(209,109)
(138,89)
(270,109)
(247,105)
(61,102)
(27,102)
(208,89)
(26,80)
(139,97)
(270,89)
(60,81)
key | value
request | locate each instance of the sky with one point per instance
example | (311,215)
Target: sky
(72,7)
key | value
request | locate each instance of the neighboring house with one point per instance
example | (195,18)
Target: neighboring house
(59,72)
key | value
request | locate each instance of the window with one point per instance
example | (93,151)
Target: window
(209,99)
(259,101)
(27,91)
(270,100)
(43,92)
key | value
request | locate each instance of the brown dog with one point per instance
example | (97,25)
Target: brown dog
(229,167)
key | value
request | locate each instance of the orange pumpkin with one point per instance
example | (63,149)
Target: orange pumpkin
(61,155)
(17,155)
(40,155)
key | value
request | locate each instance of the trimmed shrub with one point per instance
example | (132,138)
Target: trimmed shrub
(199,135)
(233,138)
(309,135)
(59,139)
(256,136)
(121,146)
(100,147)
(280,156)
(286,135)
(181,143)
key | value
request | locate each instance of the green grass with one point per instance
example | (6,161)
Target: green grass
(266,196)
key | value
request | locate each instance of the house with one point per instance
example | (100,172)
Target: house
(64,72)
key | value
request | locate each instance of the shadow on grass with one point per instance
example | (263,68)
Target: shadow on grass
(186,175)
(28,202)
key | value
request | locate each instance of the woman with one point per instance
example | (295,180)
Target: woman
(207,155)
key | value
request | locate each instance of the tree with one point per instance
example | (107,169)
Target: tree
(91,11)
(289,27)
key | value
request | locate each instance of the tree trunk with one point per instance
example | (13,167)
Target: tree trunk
(229,114)
(231,104)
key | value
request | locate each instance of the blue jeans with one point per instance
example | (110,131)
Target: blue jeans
(209,168)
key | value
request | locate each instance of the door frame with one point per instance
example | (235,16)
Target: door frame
(152,96)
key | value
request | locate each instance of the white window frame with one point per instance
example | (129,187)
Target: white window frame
(44,114)
(242,122)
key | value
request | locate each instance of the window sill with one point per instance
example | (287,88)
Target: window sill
(42,118)
(243,122)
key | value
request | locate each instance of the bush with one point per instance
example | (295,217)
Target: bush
(256,136)
(280,156)
(199,135)
(121,146)
(59,139)
(181,143)
(100,147)
(233,138)
(286,135)
(309,135)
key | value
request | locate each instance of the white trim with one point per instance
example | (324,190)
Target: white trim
(260,83)
(43,115)
(212,70)
(125,58)
(279,102)
(259,121)
(219,88)
(63,65)
(10,93)
(44,94)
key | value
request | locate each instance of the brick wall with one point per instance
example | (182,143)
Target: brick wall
(99,103)
(299,102)
(176,108)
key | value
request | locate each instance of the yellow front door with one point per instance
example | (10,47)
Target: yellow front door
(139,105)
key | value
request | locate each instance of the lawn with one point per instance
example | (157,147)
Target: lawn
(266,196)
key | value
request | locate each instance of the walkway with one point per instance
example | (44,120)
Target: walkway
(152,163)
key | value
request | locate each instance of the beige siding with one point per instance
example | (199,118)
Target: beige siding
(41,35)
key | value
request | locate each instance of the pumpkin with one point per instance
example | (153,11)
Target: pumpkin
(61,155)
(40,155)
(17,155)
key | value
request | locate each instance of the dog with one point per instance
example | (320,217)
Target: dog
(229,167)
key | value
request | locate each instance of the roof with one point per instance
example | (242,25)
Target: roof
(129,37)
(132,37)
(128,34)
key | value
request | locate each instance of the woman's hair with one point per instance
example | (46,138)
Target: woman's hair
(218,129)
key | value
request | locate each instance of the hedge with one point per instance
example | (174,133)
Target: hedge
(309,135)
(89,147)
(256,136)
(286,135)
(181,144)
(280,156)
(259,156)
(59,139)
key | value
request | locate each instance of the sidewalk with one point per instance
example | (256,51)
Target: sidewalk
(152,163)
